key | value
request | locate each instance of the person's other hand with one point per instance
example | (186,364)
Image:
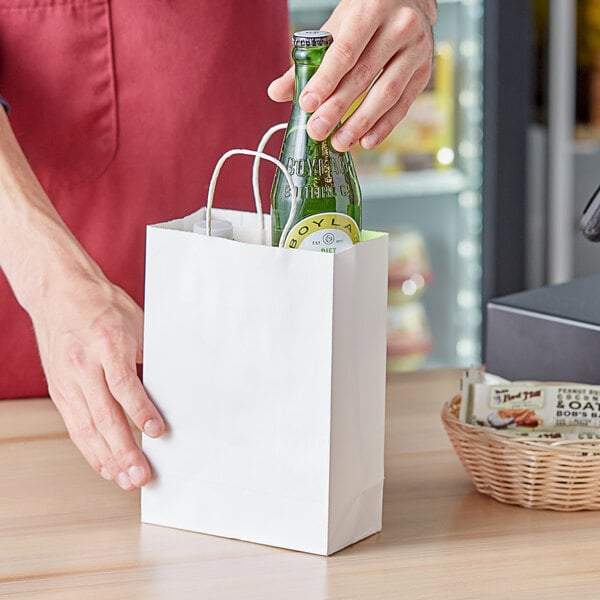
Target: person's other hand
(89,334)
(392,38)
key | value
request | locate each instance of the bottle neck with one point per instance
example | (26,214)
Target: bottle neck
(307,61)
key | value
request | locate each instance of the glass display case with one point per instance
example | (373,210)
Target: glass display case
(423,185)
(564,139)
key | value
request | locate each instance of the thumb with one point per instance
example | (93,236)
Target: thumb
(282,88)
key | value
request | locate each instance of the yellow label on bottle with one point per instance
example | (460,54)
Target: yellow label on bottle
(324,232)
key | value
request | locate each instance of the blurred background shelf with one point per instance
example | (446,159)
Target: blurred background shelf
(495,162)
(423,185)
(429,182)
(563,139)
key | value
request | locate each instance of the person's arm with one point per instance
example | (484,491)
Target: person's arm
(89,332)
(390,37)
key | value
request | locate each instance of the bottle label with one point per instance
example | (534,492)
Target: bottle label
(324,232)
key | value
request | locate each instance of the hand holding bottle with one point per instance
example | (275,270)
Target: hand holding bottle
(390,37)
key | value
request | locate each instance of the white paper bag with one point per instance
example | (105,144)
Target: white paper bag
(268,365)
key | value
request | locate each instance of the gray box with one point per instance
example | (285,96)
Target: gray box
(550,333)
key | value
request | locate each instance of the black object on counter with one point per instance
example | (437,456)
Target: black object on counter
(548,334)
(590,220)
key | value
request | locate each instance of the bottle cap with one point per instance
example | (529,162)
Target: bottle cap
(312,38)
(218,228)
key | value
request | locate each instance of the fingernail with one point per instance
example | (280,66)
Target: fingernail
(152,427)
(344,139)
(309,102)
(370,140)
(320,127)
(123,481)
(104,473)
(135,475)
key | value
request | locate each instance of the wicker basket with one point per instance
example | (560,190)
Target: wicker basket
(534,473)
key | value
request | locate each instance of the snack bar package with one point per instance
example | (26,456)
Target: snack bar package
(531,408)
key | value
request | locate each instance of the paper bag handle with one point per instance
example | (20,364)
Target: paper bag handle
(261,148)
(277,163)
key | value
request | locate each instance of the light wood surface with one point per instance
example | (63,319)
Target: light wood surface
(67,534)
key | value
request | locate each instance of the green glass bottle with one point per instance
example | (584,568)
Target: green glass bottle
(328,214)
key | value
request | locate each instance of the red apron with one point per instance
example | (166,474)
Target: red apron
(123,108)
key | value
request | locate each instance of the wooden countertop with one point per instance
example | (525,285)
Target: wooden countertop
(67,534)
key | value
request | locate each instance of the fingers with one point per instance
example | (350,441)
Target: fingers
(371,37)
(396,80)
(125,386)
(92,378)
(111,425)
(79,425)
(282,89)
(117,350)
(98,427)
(383,108)
(354,83)
(84,433)
(114,387)
(340,59)
(383,127)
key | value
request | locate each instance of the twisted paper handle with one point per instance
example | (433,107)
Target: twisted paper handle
(258,154)
(261,148)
